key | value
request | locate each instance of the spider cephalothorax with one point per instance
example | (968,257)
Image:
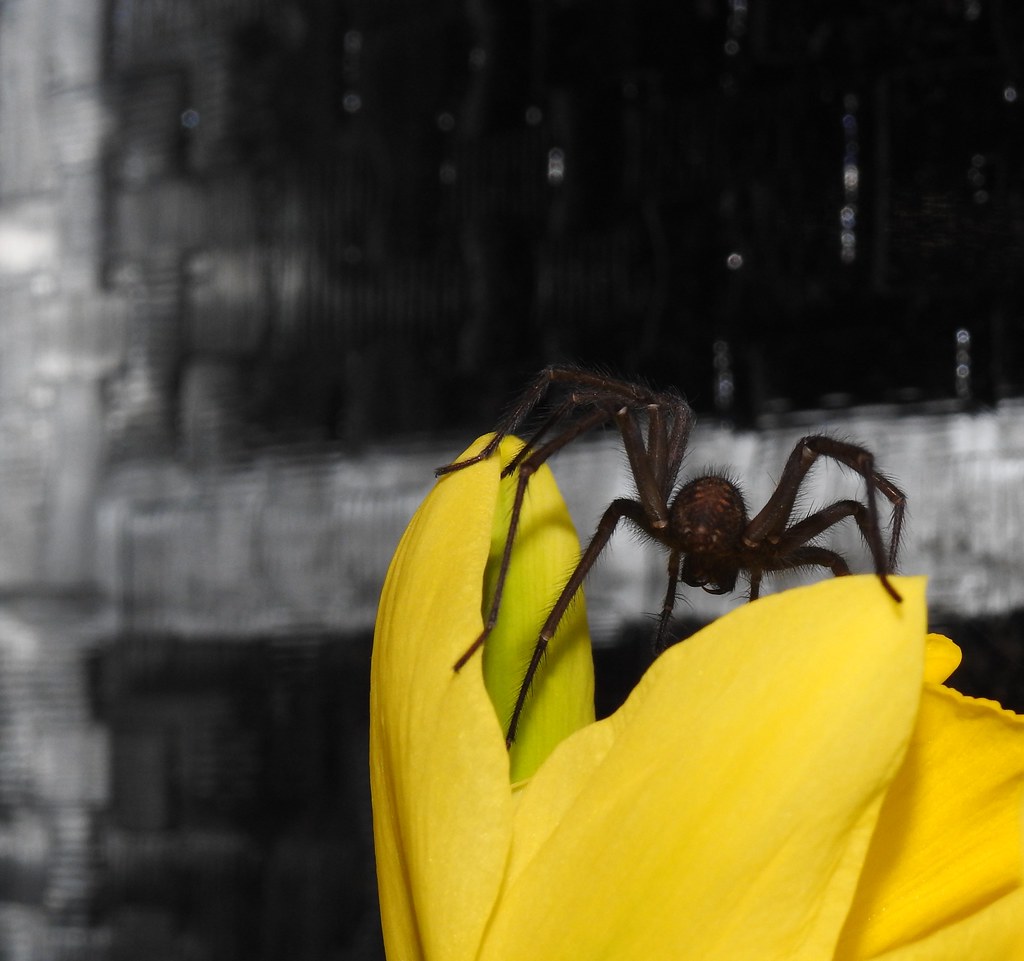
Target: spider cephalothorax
(703,523)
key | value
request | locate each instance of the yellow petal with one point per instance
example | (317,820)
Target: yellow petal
(948,841)
(439,770)
(941,658)
(725,810)
(546,548)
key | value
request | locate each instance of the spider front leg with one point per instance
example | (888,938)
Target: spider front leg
(529,399)
(526,469)
(590,388)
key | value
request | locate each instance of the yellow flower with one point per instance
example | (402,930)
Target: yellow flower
(793,782)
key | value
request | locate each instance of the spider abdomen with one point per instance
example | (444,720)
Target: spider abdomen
(707,515)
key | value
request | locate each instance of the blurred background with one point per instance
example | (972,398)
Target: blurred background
(264,264)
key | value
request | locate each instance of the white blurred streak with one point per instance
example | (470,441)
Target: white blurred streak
(300,543)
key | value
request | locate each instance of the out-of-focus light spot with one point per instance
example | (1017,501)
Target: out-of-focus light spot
(851,181)
(732,47)
(981,196)
(534,115)
(190,119)
(25,247)
(975,176)
(847,246)
(972,9)
(445,122)
(737,22)
(352,102)
(478,58)
(353,41)
(734,261)
(978,160)
(447,173)
(962,368)
(556,165)
(1010,93)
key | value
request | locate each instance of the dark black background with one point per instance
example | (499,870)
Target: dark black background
(401,152)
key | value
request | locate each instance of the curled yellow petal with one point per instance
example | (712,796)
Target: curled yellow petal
(546,548)
(726,809)
(439,769)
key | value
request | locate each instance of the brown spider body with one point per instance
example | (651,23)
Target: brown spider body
(707,516)
(706,521)
(704,524)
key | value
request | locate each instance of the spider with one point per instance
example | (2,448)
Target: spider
(703,523)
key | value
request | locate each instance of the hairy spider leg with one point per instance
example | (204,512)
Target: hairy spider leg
(809,526)
(678,439)
(534,393)
(619,508)
(526,469)
(646,470)
(668,605)
(797,536)
(657,446)
(666,443)
(812,556)
(814,524)
(769,524)
(535,438)
(899,507)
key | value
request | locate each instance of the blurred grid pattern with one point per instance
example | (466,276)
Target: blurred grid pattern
(254,254)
